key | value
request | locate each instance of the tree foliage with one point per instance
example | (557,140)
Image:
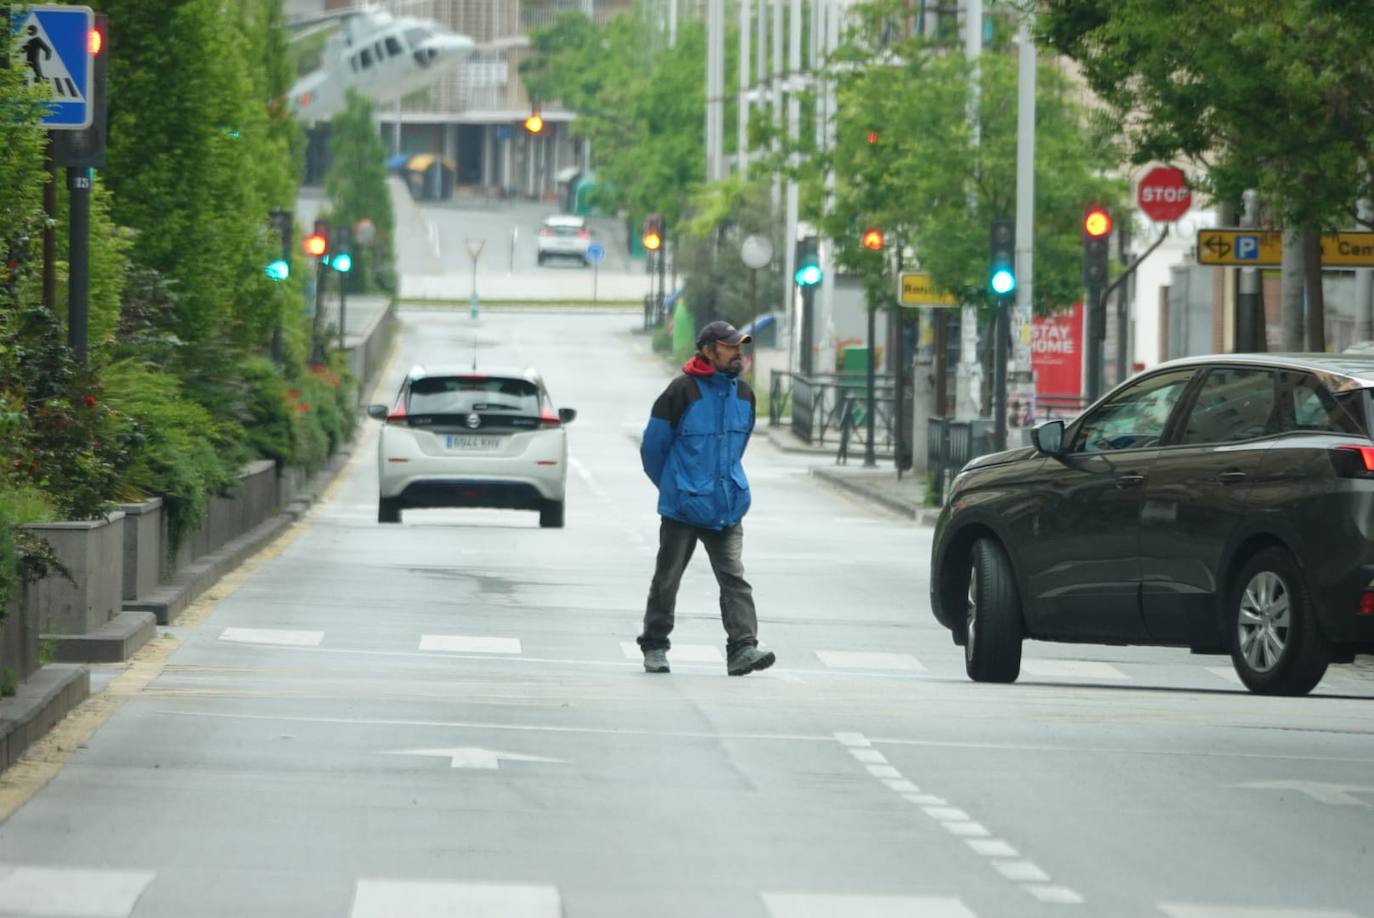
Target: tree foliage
(1266,94)
(357,190)
(908,162)
(643,107)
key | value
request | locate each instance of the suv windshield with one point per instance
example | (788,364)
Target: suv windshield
(464,394)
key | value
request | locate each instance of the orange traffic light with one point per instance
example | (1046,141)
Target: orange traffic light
(652,238)
(534,123)
(1097,222)
(873,239)
(95,42)
(315,245)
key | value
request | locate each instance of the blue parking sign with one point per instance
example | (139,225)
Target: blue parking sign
(596,252)
(54,47)
(1247,248)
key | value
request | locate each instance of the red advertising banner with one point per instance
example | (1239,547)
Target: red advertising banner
(1057,353)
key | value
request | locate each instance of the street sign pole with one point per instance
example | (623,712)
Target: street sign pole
(79,266)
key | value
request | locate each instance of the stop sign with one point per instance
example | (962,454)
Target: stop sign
(1163,194)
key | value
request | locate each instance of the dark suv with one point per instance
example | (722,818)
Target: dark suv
(1225,504)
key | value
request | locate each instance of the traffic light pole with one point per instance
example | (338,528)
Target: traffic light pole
(1097,334)
(999,375)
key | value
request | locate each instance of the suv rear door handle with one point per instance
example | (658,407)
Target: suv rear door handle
(1130,480)
(1232,477)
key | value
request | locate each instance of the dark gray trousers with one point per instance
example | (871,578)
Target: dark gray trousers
(676,542)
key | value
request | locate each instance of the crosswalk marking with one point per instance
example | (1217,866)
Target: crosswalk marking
(1225,673)
(1057,895)
(1021,871)
(1073,669)
(680,653)
(862,659)
(826,905)
(62,893)
(463,643)
(280,636)
(991,847)
(1205,910)
(427,899)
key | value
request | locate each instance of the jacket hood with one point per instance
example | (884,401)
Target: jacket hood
(698,367)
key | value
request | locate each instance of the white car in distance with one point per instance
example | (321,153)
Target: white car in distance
(487,437)
(564,237)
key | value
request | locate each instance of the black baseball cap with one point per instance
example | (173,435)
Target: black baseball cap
(721,331)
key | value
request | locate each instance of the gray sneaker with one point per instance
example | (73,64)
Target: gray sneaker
(749,660)
(656,661)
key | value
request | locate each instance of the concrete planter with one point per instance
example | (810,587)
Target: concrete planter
(93,551)
(142,547)
(19,639)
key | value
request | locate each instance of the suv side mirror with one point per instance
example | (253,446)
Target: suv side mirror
(567,415)
(377,411)
(1049,437)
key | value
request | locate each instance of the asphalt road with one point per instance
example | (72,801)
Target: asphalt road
(443,718)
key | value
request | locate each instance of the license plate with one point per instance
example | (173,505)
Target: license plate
(466,444)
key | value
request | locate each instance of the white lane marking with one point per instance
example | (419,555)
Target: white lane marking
(1322,792)
(279,637)
(1206,910)
(463,643)
(827,905)
(1021,871)
(472,757)
(585,474)
(71,893)
(926,799)
(1072,669)
(991,847)
(966,829)
(946,814)
(1055,895)
(869,756)
(680,653)
(901,786)
(883,771)
(853,739)
(859,659)
(424,899)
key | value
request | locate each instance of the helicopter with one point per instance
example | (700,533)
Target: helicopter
(381,55)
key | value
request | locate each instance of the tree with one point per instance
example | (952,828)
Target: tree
(357,189)
(1267,94)
(718,284)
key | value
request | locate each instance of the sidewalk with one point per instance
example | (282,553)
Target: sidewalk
(905,496)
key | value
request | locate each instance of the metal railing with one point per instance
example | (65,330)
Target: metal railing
(825,406)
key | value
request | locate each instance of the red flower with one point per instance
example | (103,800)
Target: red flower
(90,401)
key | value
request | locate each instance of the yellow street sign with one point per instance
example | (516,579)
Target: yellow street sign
(1264,248)
(915,289)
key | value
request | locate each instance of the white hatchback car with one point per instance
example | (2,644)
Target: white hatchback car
(564,237)
(472,438)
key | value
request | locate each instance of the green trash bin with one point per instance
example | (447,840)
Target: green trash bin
(854,370)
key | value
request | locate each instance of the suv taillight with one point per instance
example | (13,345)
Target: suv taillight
(397,417)
(1353,461)
(583,234)
(549,419)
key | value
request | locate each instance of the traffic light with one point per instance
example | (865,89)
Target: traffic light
(1002,257)
(873,137)
(340,257)
(808,273)
(1097,229)
(873,239)
(279,269)
(316,244)
(652,238)
(534,123)
(85,149)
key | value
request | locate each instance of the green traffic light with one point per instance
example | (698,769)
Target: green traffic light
(808,275)
(1002,281)
(342,262)
(278,270)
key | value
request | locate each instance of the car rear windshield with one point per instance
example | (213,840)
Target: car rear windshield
(565,230)
(465,394)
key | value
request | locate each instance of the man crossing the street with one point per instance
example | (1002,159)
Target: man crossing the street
(692,451)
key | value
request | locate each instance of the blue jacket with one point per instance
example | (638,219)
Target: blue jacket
(693,445)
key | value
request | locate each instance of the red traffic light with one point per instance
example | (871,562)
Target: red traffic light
(873,239)
(315,245)
(1097,222)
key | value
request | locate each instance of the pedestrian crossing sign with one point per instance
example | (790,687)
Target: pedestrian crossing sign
(52,46)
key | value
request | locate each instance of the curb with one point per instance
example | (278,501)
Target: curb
(922,516)
(40,702)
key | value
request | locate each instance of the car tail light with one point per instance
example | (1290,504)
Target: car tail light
(583,234)
(549,419)
(1367,602)
(1353,461)
(397,417)
(546,232)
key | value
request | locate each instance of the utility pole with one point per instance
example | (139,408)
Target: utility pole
(970,374)
(742,123)
(794,67)
(826,127)
(1022,374)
